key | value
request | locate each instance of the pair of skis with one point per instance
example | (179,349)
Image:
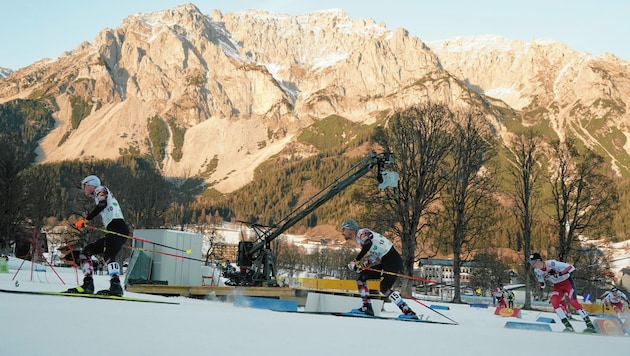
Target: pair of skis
(402,317)
(357,314)
(95,296)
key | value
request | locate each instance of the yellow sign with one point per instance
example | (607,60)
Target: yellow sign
(335,284)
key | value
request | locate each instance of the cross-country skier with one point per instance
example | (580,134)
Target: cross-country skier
(615,298)
(381,255)
(499,295)
(109,246)
(559,273)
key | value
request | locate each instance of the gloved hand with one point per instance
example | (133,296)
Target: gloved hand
(542,285)
(355,266)
(81,224)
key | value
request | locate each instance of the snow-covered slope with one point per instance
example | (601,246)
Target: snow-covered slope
(50,325)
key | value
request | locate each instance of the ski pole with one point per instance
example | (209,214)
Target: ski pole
(399,275)
(76,273)
(428,307)
(188,252)
(163,253)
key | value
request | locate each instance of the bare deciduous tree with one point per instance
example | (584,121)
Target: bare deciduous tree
(526,171)
(420,141)
(593,273)
(487,272)
(584,199)
(289,257)
(468,197)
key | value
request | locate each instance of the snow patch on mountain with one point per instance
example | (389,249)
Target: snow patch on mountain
(5,72)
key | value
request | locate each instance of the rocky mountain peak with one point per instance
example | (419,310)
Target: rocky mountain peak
(232,90)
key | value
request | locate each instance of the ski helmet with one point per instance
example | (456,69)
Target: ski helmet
(90,180)
(350,225)
(535,257)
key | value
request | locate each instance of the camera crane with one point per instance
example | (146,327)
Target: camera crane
(255,257)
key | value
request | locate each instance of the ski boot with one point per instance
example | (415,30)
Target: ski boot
(407,312)
(590,328)
(410,315)
(115,289)
(568,328)
(86,288)
(365,309)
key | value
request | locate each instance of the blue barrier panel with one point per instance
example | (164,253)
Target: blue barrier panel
(479,305)
(265,303)
(542,319)
(527,326)
(439,307)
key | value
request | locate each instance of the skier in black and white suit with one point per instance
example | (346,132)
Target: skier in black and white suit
(381,256)
(109,246)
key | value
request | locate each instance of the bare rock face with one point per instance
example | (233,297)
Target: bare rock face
(236,89)
(549,83)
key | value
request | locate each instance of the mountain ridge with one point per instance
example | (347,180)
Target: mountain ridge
(235,89)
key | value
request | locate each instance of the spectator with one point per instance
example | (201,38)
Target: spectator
(510,298)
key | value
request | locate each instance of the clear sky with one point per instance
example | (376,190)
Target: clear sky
(35,29)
